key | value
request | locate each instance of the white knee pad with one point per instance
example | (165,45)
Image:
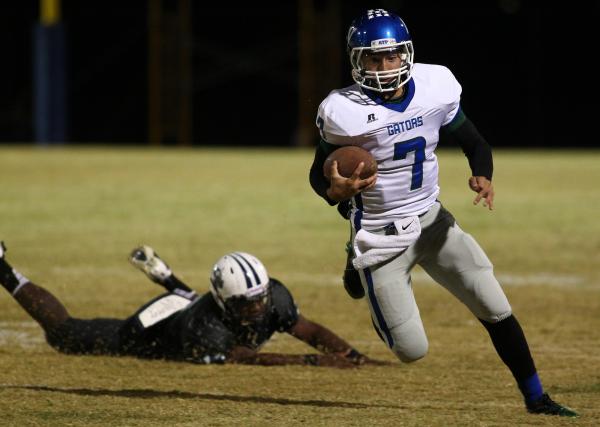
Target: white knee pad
(410,341)
(496,317)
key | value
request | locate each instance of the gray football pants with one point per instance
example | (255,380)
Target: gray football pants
(454,260)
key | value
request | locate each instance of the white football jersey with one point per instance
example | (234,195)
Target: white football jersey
(402,138)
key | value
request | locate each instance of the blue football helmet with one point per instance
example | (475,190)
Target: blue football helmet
(375,31)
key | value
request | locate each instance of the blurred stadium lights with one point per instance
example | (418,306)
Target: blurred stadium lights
(49,92)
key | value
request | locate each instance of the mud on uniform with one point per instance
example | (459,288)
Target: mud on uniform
(172,327)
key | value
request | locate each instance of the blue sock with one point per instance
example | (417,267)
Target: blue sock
(531,388)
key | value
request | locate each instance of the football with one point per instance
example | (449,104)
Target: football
(348,158)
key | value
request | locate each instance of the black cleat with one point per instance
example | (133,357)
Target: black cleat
(351,278)
(146,260)
(352,284)
(547,406)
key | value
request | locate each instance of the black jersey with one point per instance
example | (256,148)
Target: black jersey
(202,333)
(199,332)
(205,333)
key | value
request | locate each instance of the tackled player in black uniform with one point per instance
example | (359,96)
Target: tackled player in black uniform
(229,324)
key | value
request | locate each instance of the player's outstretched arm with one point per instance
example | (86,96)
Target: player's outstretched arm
(479,154)
(324,340)
(245,355)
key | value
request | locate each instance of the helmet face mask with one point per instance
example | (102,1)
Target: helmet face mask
(247,311)
(240,286)
(378,32)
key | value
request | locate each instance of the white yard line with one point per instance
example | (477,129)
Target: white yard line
(25,334)
(419,277)
(505,279)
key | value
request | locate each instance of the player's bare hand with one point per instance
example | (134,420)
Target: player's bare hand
(335,361)
(342,188)
(484,189)
(375,362)
(361,359)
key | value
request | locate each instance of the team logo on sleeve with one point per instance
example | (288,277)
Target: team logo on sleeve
(371,118)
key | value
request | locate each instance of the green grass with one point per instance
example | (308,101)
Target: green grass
(71,215)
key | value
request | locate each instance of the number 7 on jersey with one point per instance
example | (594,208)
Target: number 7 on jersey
(402,148)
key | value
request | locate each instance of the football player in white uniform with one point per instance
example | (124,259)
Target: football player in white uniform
(395,110)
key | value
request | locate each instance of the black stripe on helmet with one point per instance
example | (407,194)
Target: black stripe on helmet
(254,273)
(246,275)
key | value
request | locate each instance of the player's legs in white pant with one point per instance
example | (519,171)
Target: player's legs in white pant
(391,300)
(394,309)
(460,265)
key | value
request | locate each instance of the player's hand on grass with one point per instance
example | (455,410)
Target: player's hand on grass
(334,361)
(375,362)
(484,189)
(360,359)
(341,188)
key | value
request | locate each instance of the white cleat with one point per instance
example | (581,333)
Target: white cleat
(145,259)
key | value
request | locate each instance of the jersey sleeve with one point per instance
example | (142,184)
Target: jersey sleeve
(332,137)
(327,121)
(450,94)
(286,310)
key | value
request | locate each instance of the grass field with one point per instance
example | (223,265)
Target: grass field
(70,217)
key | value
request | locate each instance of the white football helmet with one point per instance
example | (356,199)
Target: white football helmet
(238,277)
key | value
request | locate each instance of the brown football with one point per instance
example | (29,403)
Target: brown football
(348,159)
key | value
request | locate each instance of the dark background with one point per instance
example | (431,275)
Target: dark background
(526,68)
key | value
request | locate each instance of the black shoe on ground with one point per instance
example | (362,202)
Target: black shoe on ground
(547,406)
(352,284)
